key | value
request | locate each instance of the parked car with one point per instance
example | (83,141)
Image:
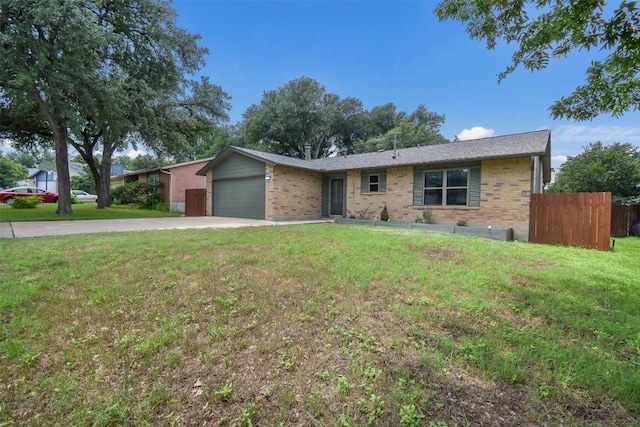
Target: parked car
(83,196)
(7,196)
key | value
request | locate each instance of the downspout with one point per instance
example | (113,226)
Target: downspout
(170,188)
(536,175)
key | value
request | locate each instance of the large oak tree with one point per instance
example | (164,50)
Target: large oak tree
(546,29)
(302,112)
(98,74)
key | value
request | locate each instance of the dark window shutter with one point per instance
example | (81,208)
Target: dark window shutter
(418,187)
(474,187)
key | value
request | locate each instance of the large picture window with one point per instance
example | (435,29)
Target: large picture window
(446,187)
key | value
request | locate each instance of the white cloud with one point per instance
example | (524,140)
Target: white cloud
(135,153)
(559,158)
(585,135)
(475,133)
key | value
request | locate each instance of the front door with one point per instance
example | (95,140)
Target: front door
(337,197)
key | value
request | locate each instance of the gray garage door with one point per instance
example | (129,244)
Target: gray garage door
(239,198)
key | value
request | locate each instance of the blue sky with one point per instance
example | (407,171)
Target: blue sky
(391,51)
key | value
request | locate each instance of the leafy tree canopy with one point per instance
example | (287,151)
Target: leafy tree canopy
(10,172)
(26,160)
(303,112)
(402,130)
(298,113)
(614,168)
(219,140)
(545,29)
(146,161)
(97,75)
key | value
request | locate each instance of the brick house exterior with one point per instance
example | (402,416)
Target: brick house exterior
(485,182)
(174,180)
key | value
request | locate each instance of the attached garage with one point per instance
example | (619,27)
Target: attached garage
(238,187)
(239,197)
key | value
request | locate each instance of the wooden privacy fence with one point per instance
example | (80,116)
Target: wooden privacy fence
(622,216)
(571,219)
(195,202)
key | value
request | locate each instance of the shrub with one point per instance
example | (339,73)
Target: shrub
(363,214)
(74,200)
(29,202)
(425,218)
(384,215)
(143,193)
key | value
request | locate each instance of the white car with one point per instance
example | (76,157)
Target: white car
(84,197)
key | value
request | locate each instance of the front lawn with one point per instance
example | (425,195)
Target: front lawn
(316,325)
(47,212)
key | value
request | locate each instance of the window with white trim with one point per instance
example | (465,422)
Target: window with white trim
(448,187)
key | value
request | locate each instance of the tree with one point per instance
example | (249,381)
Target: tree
(554,29)
(219,140)
(26,160)
(146,161)
(47,65)
(615,168)
(98,76)
(179,124)
(400,130)
(298,113)
(10,172)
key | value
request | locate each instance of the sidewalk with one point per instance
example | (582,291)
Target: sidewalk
(60,228)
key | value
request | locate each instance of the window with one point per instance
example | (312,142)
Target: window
(373,181)
(446,187)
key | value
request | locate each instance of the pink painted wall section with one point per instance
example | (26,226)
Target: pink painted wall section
(184,177)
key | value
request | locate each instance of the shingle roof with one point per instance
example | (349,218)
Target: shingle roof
(506,146)
(75,169)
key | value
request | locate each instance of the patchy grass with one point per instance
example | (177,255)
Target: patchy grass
(47,212)
(316,325)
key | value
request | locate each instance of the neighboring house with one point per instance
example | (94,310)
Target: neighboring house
(174,180)
(485,181)
(45,176)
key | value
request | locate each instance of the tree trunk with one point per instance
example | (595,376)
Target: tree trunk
(62,169)
(103,183)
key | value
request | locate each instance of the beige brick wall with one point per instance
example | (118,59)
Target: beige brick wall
(209,188)
(292,194)
(398,196)
(504,197)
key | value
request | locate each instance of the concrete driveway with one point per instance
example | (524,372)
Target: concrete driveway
(59,228)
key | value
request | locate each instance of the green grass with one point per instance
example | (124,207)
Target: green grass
(47,212)
(316,325)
